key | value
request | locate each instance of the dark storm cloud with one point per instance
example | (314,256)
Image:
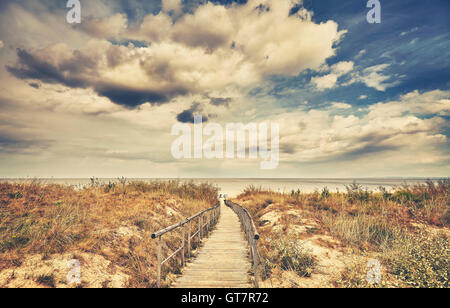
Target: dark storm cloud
(364,150)
(187,116)
(366,145)
(367,150)
(10,144)
(74,73)
(30,67)
(371,143)
(34,85)
(288,148)
(217,101)
(130,98)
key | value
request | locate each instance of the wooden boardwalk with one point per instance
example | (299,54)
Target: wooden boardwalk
(223,261)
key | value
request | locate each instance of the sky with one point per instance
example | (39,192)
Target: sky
(100,98)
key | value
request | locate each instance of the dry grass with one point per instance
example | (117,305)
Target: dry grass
(363,225)
(114,221)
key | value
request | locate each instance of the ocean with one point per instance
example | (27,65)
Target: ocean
(234,187)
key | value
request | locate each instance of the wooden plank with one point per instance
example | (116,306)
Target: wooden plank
(223,261)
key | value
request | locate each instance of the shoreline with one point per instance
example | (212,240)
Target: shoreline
(234,186)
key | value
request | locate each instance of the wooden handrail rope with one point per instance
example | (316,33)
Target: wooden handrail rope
(209,212)
(251,233)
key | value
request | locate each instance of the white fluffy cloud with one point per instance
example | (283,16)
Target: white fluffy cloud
(261,36)
(109,28)
(174,6)
(341,105)
(214,48)
(389,129)
(414,103)
(373,77)
(336,71)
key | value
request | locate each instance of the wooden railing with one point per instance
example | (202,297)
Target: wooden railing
(251,233)
(206,220)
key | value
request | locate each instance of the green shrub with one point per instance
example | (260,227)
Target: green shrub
(361,229)
(411,198)
(325,193)
(421,261)
(16,195)
(355,193)
(293,256)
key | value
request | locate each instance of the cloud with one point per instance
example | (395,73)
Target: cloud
(19,138)
(409,32)
(18,145)
(35,67)
(373,77)
(93,67)
(361,53)
(110,28)
(329,81)
(187,116)
(341,106)
(325,82)
(219,101)
(435,102)
(391,130)
(34,85)
(172,6)
(191,55)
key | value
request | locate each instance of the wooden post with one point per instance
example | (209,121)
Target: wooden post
(255,263)
(189,240)
(183,245)
(159,261)
(209,221)
(200,228)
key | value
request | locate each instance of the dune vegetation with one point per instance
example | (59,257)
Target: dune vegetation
(326,239)
(106,227)
(320,239)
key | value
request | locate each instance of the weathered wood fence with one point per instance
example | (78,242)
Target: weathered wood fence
(206,220)
(251,233)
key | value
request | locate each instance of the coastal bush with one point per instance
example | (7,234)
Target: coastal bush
(361,229)
(290,255)
(421,260)
(381,224)
(104,219)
